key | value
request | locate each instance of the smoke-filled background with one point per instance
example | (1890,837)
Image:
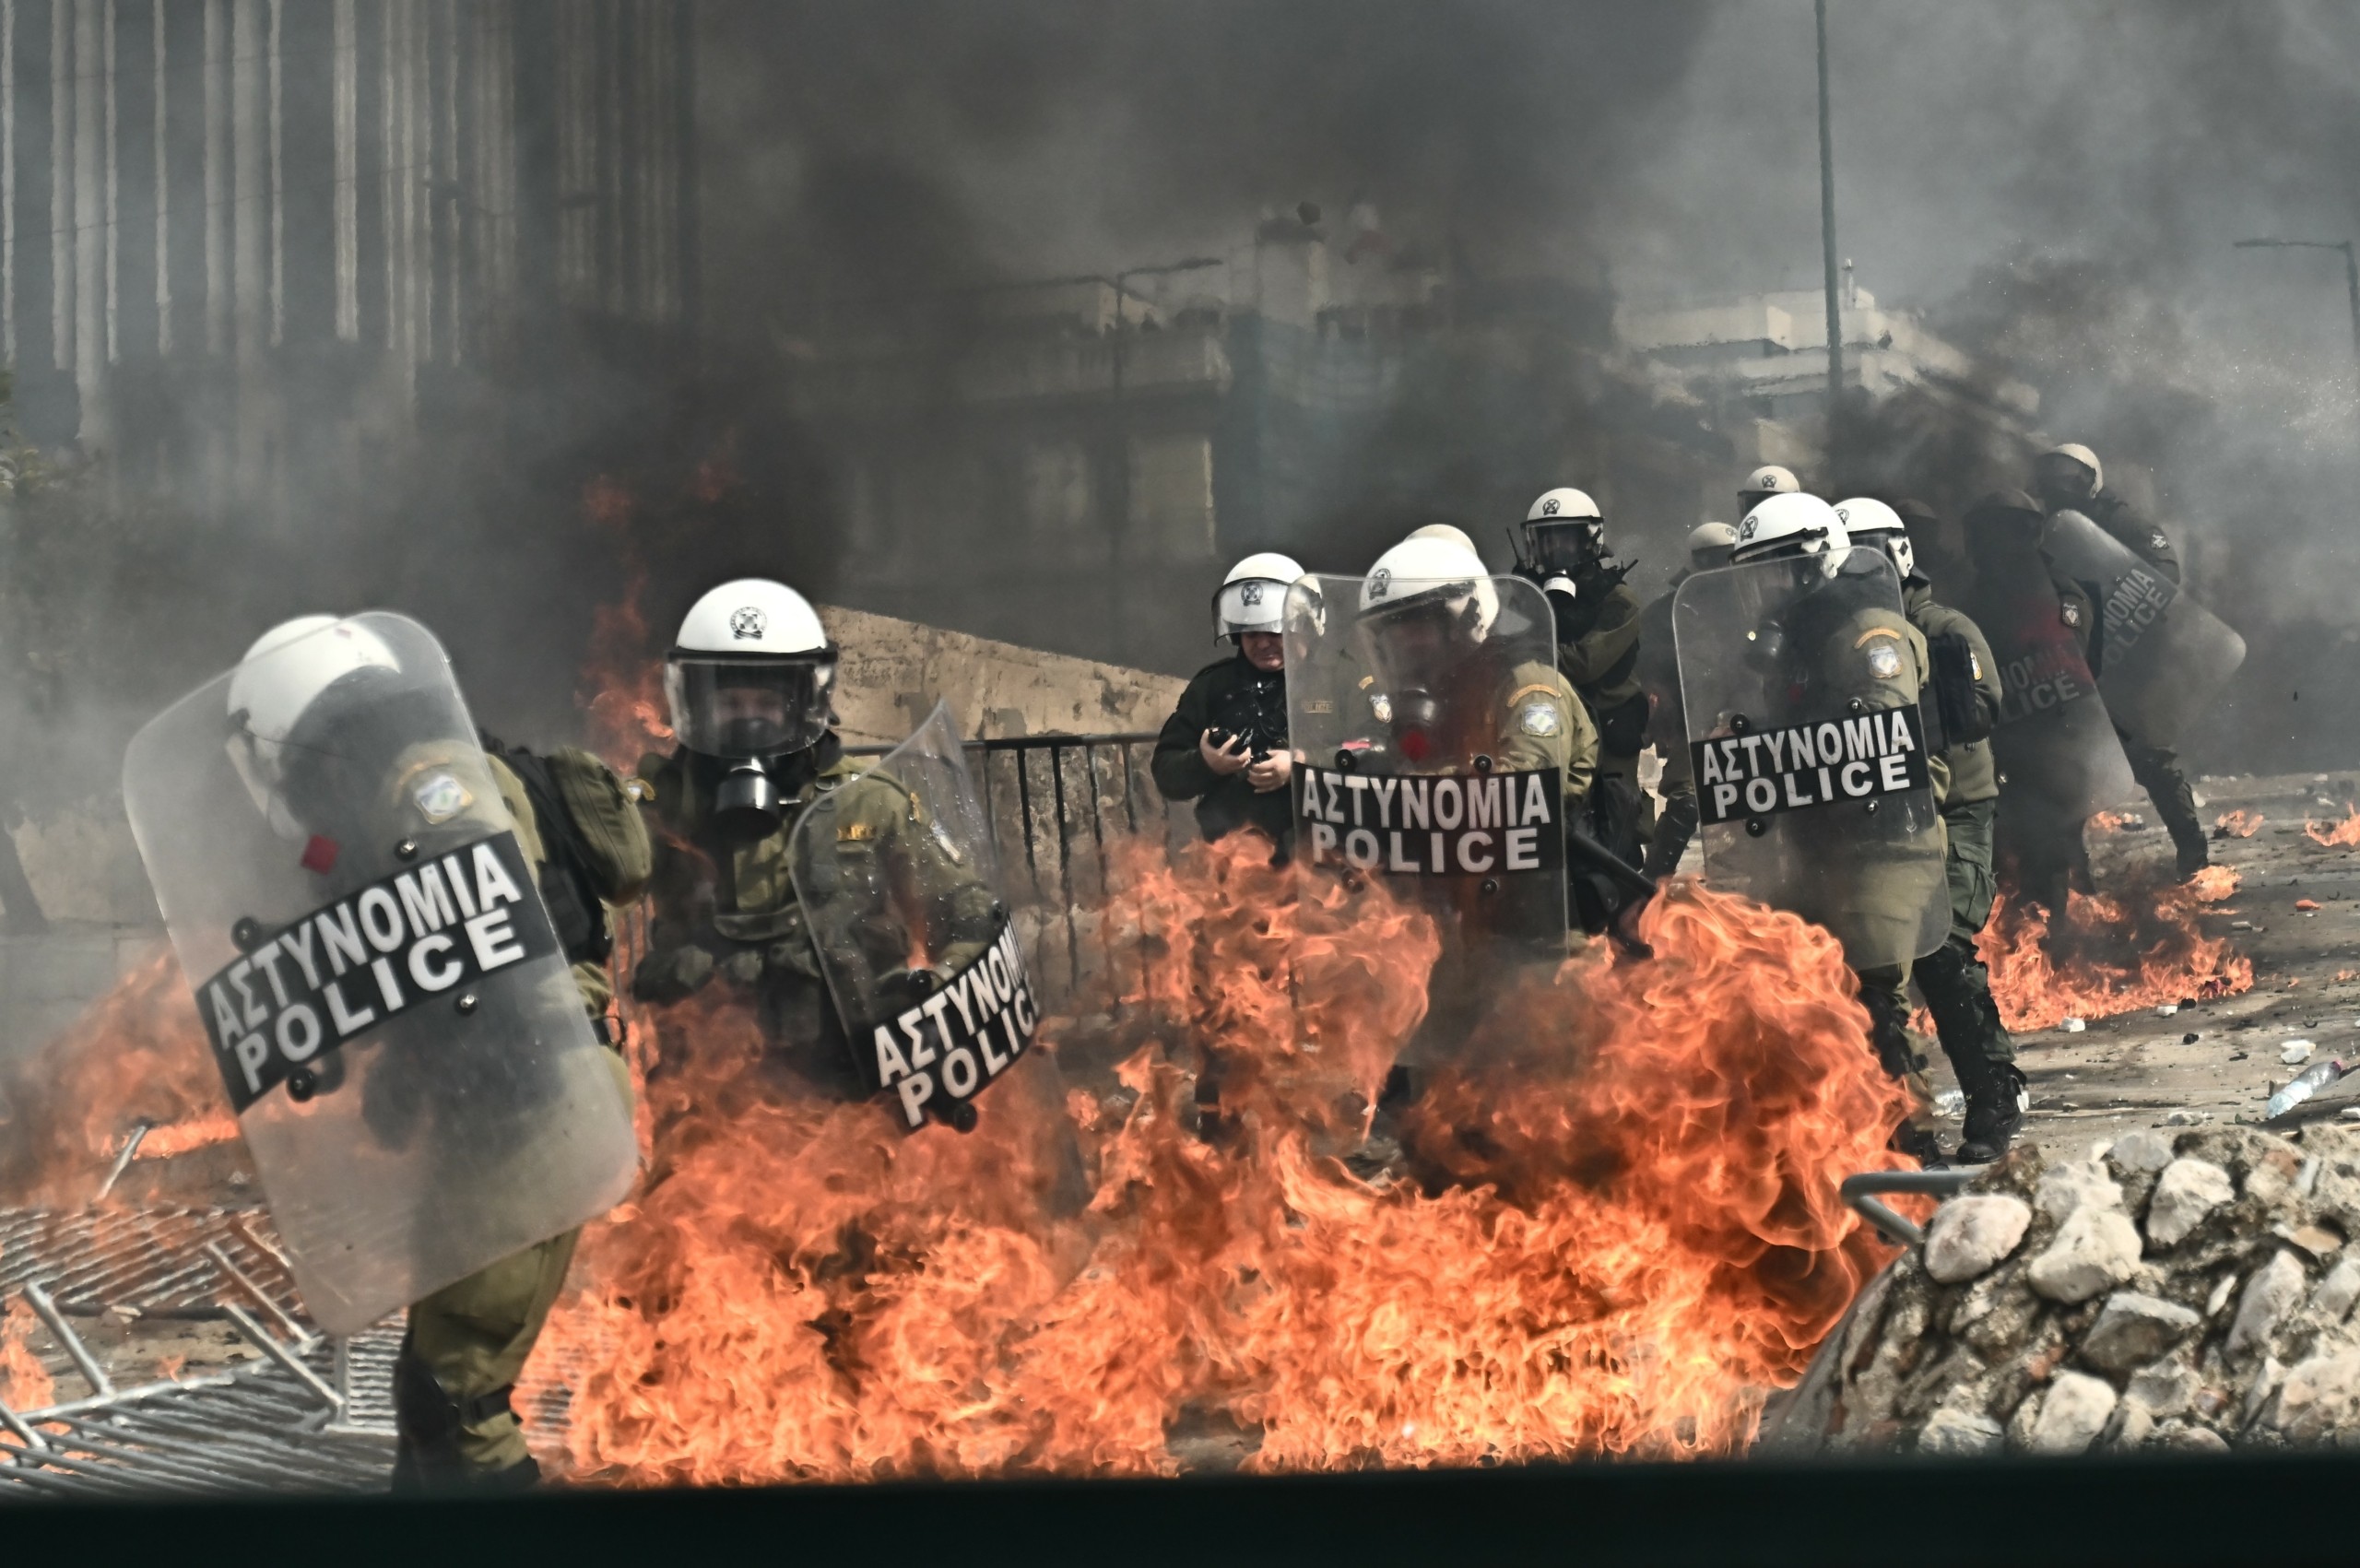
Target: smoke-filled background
(755,286)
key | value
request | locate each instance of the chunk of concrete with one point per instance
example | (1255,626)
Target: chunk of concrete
(2185,1194)
(2072,1413)
(1969,1235)
(2094,1250)
(2066,1188)
(2133,1328)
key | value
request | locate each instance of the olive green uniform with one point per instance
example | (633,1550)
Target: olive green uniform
(1232,696)
(1873,655)
(467,1344)
(1602,666)
(726,910)
(1957,985)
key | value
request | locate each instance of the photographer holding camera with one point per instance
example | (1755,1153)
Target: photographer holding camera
(1225,746)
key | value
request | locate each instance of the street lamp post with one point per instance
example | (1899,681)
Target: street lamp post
(2351,275)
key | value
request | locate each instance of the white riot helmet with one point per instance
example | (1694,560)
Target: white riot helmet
(279,684)
(2056,475)
(1563,532)
(1448,533)
(1791,526)
(752,672)
(1709,545)
(1765,482)
(1867,520)
(1423,606)
(1252,598)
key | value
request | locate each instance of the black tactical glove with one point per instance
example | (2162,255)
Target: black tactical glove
(671,975)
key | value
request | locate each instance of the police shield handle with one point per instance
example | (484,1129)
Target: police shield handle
(938,1055)
(1760,772)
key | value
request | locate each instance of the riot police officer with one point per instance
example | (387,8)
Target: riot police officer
(1596,615)
(1845,643)
(750,682)
(1225,745)
(1954,979)
(1709,547)
(325,744)
(2070,478)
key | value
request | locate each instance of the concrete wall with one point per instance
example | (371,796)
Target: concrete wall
(894,671)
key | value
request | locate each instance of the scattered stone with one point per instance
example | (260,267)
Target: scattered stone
(2073,1025)
(1969,1235)
(2198,1439)
(2066,1188)
(2094,1249)
(2133,1329)
(2319,1398)
(2296,1052)
(2316,1240)
(2219,1296)
(2167,1388)
(2187,1118)
(2185,1194)
(2147,1150)
(2132,1425)
(2189,1038)
(1955,1432)
(2336,1294)
(2269,1296)
(2072,1413)
(2265,1384)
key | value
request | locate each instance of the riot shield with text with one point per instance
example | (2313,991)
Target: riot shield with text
(1427,756)
(2054,741)
(900,887)
(395,1022)
(2161,658)
(1809,748)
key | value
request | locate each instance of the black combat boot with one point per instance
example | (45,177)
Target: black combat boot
(2195,850)
(1995,1112)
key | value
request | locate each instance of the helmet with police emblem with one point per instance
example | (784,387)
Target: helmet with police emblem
(1448,533)
(1252,598)
(1867,520)
(1765,482)
(1791,524)
(296,679)
(1425,607)
(1709,545)
(1563,532)
(752,673)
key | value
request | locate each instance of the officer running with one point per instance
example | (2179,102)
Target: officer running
(466,1343)
(1952,978)
(1225,745)
(2069,479)
(750,682)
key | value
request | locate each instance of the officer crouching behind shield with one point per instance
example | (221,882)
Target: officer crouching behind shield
(1225,745)
(751,681)
(329,747)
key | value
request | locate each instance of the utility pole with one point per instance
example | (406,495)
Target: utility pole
(2351,275)
(1827,235)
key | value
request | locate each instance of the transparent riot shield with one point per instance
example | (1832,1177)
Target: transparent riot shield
(1429,753)
(2161,657)
(360,922)
(2054,741)
(1809,747)
(901,890)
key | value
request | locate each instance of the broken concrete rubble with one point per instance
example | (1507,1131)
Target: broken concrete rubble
(2189,1290)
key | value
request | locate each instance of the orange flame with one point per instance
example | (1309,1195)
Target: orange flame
(624,685)
(2108,821)
(2111,954)
(1625,1225)
(2342,835)
(25,1383)
(2239,824)
(138,1053)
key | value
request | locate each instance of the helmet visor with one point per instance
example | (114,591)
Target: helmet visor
(1568,547)
(1411,646)
(740,707)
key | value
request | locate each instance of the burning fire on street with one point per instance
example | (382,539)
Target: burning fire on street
(2344,834)
(2112,953)
(1614,1225)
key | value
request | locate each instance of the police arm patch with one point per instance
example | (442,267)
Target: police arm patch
(1884,659)
(1538,718)
(440,796)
